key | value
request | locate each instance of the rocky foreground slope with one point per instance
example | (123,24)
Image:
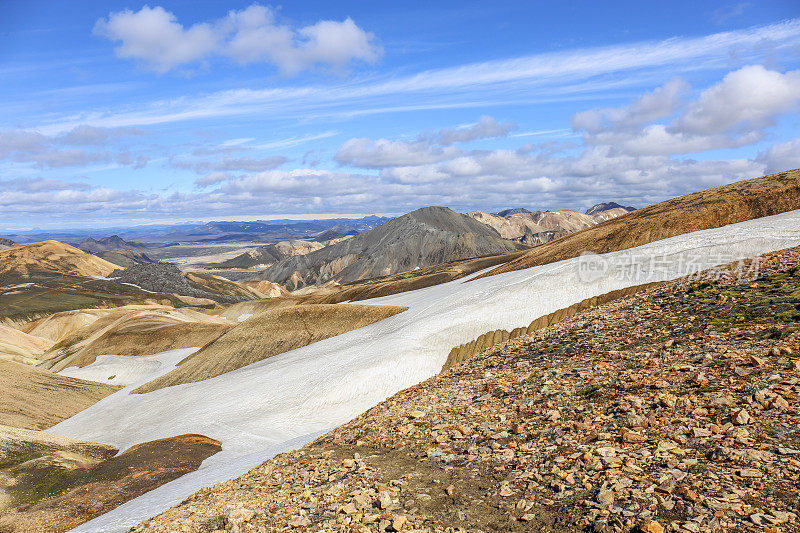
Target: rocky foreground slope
(671,410)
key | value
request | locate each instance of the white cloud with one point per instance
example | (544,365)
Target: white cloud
(24,146)
(751,97)
(34,185)
(232,164)
(484,128)
(655,105)
(366,153)
(552,76)
(212,179)
(729,114)
(20,141)
(782,156)
(154,36)
(85,135)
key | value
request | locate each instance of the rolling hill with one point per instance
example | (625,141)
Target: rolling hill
(289,328)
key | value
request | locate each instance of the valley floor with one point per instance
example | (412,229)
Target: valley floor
(672,410)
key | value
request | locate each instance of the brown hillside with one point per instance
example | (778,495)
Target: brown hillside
(16,345)
(711,208)
(270,333)
(54,257)
(32,398)
(56,489)
(135,330)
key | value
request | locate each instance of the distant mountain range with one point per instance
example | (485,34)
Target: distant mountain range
(273,231)
(538,227)
(425,237)
(254,231)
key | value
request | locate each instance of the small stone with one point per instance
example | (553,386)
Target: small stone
(416,414)
(667,400)
(605,497)
(528,517)
(299,521)
(780,403)
(688,494)
(651,526)
(632,437)
(749,473)
(742,418)
(755,361)
(240,515)
(450,490)
(349,508)
(399,522)
(699,433)
(505,490)
(385,499)
(699,378)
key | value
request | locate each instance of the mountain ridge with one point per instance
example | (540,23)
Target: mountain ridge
(424,237)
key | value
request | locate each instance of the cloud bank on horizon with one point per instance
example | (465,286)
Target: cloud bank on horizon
(249,113)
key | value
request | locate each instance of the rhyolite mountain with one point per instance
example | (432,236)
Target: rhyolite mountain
(270,254)
(607,206)
(425,237)
(114,242)
(538,227)
(116,250)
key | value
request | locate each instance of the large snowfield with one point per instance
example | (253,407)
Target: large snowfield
(285,401)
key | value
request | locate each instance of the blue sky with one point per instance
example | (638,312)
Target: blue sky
(118,112)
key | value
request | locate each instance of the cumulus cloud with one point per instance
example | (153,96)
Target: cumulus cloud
(429,147)
(85,135)
(155,37)
(782,156)
(634,154)
(51,158)
(485,127)
(368,153)
(729,114)
(33,185)
(748,98)
(212,179)
(44,151)
(20,141)
(655,105)
(248,164)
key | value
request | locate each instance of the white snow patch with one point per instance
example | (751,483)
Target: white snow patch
(128,369)
(244,316)
(286,400)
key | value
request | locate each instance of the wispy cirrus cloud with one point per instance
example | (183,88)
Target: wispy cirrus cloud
(550,76)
